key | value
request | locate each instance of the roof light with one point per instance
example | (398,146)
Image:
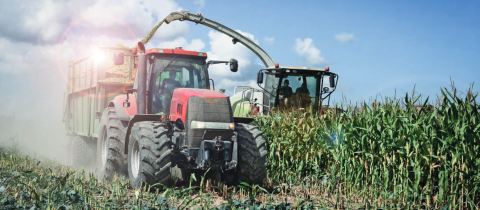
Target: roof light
(276,65)
(273,71)
(327,68)
(154,50)
(202,54)
(295,71)
(288,71)
(179,48)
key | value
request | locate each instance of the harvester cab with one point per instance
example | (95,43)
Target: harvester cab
(295,87)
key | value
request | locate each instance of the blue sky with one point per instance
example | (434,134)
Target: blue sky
(377,47)
(398,44)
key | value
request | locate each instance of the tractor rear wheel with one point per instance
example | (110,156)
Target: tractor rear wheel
(82,151)
(252,156)
(149,154)
(110,145)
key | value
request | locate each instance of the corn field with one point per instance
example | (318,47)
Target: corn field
(384,156)
(390,155)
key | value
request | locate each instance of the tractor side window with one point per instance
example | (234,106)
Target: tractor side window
(185,77)
(186,72)
(195,78)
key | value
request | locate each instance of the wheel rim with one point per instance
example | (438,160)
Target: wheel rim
(135,163)
(104,147)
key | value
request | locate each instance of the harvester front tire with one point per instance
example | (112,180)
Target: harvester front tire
(252,156)
(82,151)
(149,154)
(110,146)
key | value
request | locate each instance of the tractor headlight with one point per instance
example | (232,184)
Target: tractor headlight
(211,125)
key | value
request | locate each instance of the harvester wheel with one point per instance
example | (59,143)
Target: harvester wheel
(110,146)
(149,154)
(252,156)
(83,152)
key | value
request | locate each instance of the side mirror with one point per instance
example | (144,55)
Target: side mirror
(332,81)
(233,65)
(260,77)
(118,58)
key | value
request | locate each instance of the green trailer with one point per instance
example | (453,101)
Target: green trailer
(92,82)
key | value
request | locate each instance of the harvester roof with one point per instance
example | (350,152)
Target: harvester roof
(298,68)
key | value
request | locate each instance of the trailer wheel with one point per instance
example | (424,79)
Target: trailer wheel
(110,146)
(149,154)
(82,151)
(252,156)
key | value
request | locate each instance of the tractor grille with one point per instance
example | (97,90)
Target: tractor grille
(207,110)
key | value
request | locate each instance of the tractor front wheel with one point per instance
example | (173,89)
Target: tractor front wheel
(149,154)
(252,156)
(111,159)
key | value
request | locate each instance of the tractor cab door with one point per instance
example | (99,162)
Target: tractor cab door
(169,73)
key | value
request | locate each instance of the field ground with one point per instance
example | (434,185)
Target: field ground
(27,182)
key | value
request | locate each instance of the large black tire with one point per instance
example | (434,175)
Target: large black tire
(252,156)
(110,146)
(149,154)
(82,151)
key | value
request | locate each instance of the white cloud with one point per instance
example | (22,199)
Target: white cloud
(270,40)
(344,37)
(201,3)
(47,20)
(307,50)
(194,45)
(221,48)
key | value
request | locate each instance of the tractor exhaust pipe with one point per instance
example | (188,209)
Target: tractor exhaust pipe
(142,80)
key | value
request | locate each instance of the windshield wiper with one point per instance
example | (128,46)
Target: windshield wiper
(168,64)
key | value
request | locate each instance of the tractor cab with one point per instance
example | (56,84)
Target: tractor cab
(295,87)
(170,69)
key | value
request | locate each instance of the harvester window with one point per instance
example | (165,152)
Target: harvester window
(304,90)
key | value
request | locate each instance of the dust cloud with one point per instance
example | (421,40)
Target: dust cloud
(35,138)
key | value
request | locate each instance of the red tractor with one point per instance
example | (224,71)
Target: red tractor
(171,124)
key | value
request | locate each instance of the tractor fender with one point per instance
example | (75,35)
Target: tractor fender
(121,113)
(124,113)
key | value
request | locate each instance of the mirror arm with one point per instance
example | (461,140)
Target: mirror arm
(126,103)
(333,89)
(264,90)
(213,83)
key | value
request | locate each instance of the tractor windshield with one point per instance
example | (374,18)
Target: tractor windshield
(170,73)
